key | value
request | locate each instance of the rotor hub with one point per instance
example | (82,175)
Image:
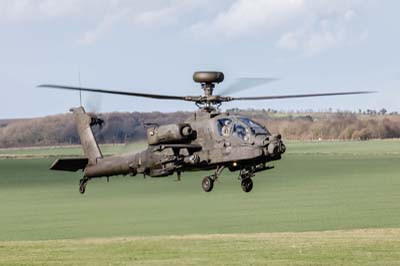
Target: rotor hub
(208,79)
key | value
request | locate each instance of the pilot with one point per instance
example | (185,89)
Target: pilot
(226,129)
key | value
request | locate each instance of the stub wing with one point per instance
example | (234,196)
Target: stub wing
(71,165)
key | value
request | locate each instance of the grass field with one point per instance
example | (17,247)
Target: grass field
(65,151)
(355,247)
(316,187)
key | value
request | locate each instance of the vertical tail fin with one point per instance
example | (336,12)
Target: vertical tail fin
(90,147)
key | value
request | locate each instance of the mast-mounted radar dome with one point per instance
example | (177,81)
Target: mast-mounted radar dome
(208,77)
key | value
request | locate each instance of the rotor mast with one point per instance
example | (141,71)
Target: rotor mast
(208,88)
(208,79)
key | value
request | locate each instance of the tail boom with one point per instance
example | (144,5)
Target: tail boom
(90,147)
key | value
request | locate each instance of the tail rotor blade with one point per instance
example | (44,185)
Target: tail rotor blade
(93,102)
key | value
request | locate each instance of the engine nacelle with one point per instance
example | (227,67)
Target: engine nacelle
(175,133)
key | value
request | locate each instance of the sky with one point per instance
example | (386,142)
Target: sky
(155,46)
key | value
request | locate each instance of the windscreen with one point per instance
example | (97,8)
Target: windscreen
(255,127)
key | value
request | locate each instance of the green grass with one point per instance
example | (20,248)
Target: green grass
(305,192)
(359,247)
(316,187)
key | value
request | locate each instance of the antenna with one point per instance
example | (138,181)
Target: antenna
(79,85)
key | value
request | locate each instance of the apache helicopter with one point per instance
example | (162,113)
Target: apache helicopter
(209,140)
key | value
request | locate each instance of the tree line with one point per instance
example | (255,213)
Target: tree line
(128,127)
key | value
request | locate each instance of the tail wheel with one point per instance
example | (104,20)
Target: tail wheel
(247,185)
(82,185)
(82,189)
(207,184)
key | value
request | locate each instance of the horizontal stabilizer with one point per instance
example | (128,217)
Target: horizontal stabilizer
(72,165)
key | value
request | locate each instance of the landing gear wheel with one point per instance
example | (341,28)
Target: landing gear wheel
(247,185)
(207,184)
(82,185)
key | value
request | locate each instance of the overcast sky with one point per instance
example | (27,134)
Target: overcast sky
(155,46)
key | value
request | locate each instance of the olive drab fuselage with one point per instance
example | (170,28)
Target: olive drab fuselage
(205,141)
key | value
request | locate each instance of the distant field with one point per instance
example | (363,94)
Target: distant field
(318,186)
(372,147)
(377,147)
(65,151)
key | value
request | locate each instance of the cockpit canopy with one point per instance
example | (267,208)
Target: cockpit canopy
(240,127)
(255,127)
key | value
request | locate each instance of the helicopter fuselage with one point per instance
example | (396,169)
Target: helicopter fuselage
(205,141)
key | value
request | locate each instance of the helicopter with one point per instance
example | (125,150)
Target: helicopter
(208,140)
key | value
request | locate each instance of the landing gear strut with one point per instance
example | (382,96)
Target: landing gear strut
(208,182)
(247,182)
(178,176)
(82,185)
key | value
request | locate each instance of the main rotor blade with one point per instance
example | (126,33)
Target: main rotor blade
(299,95)
(242,84)
(146,95)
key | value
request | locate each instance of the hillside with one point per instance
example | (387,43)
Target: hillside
(127,127)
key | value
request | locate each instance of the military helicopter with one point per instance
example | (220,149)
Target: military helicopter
(209,140)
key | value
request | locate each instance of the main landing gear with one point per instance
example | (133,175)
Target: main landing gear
(245,176)
(247,182)
(247,185)
(208,182)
